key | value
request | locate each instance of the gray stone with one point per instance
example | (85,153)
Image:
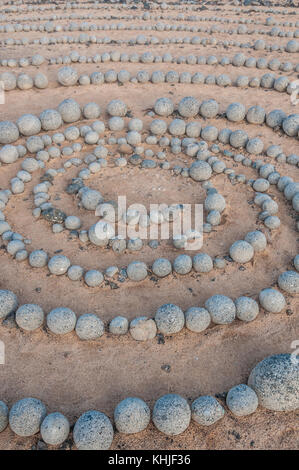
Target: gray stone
(119,325)
(247,308)
(197,319)
(289,282)
(58,265)
(137,271)
(26,416)
(182,264)
(221,308)
(171,414)
(170,319)
(272,300)
(242,400)
(3,416)
(131,415)
(206,410)
(241,251)
(29,317)
(276,382)
(162,267)
(93,431)
(61,320)
(55,429)
(93,278)
(8,303)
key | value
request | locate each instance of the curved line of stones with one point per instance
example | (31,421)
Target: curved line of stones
(149,58)
(281,84)
(291,47)
(160,27)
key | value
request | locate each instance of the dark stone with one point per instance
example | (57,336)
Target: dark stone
(54,215)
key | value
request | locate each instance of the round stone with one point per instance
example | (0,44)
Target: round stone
(93,278)
(215,201)
(255,146)
(272,222)
(182,264)
(275,380)
(202,263)
(91,111)
(117,108)
(143,328)
(169,319)
(38,259)
(275,118)
(162,267)
(8,303)
(93,431)
(58,265)
(75,273)
(61,320)
(257,240)
(242,400)
(209,109)
(247,308)
(171,414)
(177,127)
(8,154)
(256,115)
(119,326)
(67,76)
(89,327)
(131,415)
(9,132)
(29,124)
(197,319)
(137,271)
(72,222)
(41,81)
(164,107)
(296,262)
(206,410)
(50,119)
(200,171)
(238,139)
(3,416)
(272,300)
(29,317)
(290,125)
(188,107)
(289,282)
(55,429)
(69,110)
(26,416)
(241,251)
(235,112)
(221,308)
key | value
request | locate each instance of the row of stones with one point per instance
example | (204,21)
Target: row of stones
(24,81)
(146,16)
(69,111)
(238,60)
(292,46)
(169,319)
(272,384)
(52,27)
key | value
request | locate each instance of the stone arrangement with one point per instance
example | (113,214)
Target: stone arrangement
(89,140)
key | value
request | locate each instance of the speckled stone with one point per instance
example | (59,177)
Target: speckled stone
(257,240)
(119,326)
(137,271)
(8,303)
(29,317)
(89,327)
(171,414)
(61,320)
(38,258)
(276,382)
(206,410)
(221,308)
(26,416)
(55,429)
(272,300)
(93,431)
(247,308)
(170,319)
(3,416)
(131,415)
(241,251)
(202,263)
(197,319)
(289,282)
(58,265)
(242,400)
(162,267)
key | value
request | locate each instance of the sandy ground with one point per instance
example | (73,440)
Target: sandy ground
(72,376)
